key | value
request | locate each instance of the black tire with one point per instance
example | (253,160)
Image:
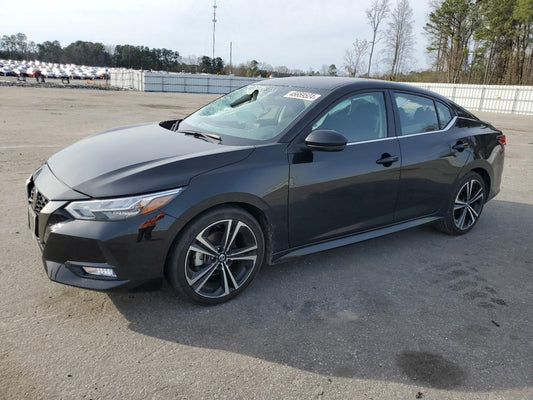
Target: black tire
(217,256)
(465,205)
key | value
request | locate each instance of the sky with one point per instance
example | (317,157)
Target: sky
(299,34)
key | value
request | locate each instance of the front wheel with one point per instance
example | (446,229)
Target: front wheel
(217,256)
(465,206)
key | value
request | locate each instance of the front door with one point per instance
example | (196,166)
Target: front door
(334,194)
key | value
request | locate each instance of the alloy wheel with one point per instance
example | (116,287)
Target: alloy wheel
(468,204)
(221,258)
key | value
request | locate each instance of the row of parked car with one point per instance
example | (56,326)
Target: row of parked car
(51,70)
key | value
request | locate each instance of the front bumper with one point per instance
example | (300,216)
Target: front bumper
(135,253)
(63,273)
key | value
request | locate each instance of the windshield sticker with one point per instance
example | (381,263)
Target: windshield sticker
(302,95)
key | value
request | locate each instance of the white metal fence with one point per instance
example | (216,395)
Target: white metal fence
(146,81)
(127,79)
(493,98)
(194,83)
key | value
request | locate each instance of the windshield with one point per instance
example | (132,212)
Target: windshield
(255,112)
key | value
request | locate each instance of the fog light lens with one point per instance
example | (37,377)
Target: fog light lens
(107,272)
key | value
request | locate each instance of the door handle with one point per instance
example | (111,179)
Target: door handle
(386,160)
(460,146)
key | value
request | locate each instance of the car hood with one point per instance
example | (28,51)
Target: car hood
(139,159)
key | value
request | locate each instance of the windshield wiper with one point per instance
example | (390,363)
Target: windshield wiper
(175,125)
(245,99)
(208,137)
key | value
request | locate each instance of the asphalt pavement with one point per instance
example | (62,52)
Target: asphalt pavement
(412,315)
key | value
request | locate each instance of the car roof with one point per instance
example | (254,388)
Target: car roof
(332,83)
(312,82)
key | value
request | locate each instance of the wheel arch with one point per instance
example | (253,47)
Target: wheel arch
(483,169)
(486,178)
(249,203)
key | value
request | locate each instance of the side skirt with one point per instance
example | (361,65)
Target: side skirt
(346,240)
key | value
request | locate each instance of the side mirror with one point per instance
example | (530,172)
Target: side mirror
(325,140)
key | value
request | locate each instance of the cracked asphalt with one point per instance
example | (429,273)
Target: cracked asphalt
(412,315)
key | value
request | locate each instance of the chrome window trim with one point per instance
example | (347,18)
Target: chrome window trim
(446,128)
(372,140)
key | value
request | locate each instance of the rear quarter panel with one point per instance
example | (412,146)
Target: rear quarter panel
(487,154)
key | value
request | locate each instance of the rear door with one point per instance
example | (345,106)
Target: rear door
(334,194)
(434,149)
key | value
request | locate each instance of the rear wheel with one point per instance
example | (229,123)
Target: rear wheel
(465,206)
(217,256)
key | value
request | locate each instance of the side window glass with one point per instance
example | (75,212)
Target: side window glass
(444,114)
(417,113)
(358,118)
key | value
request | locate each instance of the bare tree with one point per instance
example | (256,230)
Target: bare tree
(375,14)
(399,35)
(353,58)
(191,60)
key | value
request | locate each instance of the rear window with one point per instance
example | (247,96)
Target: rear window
(444,114)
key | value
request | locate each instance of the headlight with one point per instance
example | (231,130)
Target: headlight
(122,208)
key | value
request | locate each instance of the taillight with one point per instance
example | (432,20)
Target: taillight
(502,140)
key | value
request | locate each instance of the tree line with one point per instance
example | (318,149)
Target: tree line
(468,41)
(483,41)
(18,47)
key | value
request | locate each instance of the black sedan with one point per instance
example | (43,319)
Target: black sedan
(274,170)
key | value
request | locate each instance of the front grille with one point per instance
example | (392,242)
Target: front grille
(37,200)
